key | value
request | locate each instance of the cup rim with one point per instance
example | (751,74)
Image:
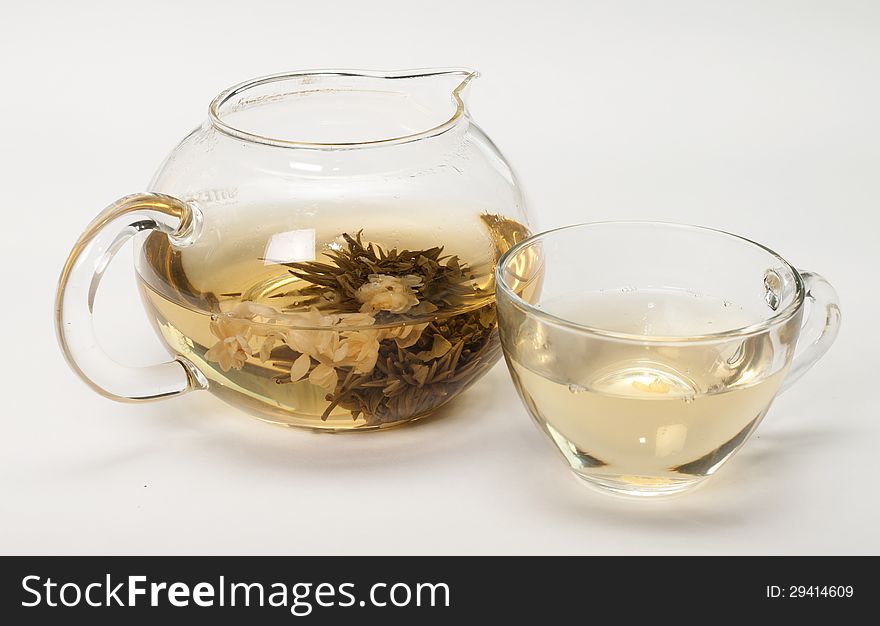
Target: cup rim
(779,317)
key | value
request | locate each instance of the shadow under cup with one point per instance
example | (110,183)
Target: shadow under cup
(649,352)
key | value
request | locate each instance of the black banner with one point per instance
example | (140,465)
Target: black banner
(290,590)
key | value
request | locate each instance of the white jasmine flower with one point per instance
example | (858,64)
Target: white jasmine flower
(232,349)
(388,293)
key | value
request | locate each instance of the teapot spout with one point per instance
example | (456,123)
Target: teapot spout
(466,76)
(452,80)
(434,87)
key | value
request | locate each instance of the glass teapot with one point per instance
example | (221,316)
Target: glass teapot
(319,252)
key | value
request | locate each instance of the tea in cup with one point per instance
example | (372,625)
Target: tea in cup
(650,352)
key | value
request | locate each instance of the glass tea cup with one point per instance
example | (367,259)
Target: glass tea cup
(649,352)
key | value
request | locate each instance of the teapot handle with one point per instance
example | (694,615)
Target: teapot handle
(79,282)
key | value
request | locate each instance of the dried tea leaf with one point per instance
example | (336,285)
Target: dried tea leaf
(420,373)
(504,231)
(488,316)
(440,347)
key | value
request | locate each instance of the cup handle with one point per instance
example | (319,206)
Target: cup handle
(82,273)
(819,328)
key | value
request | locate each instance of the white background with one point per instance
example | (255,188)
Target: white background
(756,117)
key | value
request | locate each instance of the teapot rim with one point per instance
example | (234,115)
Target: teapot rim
(215,115)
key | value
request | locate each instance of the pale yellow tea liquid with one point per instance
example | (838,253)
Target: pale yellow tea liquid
(649,418)
(243,318)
